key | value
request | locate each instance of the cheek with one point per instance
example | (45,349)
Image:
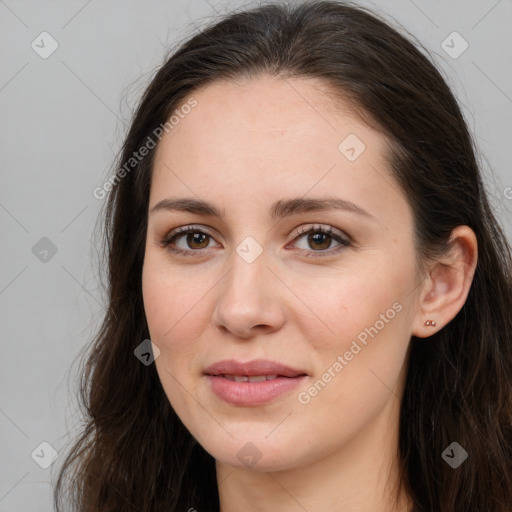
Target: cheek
(170,302)
(360,362)
(170,305)
(343,306)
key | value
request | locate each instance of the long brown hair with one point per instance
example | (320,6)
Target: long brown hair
(134,453)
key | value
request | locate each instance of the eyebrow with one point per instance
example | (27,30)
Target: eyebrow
(279,209)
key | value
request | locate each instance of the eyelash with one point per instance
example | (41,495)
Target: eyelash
(344,243)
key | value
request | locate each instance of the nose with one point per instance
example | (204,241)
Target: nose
(250,299)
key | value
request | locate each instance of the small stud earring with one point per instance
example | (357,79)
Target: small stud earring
(430,322)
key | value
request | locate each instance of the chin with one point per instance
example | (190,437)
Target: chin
(254,452)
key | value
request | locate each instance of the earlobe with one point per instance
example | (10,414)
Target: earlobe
(448,284)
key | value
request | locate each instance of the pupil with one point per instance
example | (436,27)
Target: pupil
(316,240)
(197,238)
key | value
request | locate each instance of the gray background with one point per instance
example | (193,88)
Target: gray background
(63,120)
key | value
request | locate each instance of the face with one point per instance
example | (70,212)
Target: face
(328,293)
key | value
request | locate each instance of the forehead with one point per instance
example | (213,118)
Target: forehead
(267,138)
(267,104)
(270,99)
(265,118)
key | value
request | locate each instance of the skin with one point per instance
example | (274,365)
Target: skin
(243,147)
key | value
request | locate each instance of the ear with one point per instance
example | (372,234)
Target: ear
(447,286)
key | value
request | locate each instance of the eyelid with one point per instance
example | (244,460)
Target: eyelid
(323,228)
(343,239)
(297,231)
(184,230)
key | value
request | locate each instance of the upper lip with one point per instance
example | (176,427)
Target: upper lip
(251,368)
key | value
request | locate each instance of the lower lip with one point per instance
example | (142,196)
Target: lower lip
(252,393)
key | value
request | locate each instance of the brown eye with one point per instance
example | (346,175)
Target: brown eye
(197,238)
(192,241)
(319,240)
(188,241)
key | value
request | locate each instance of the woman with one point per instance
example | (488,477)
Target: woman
(299,225)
